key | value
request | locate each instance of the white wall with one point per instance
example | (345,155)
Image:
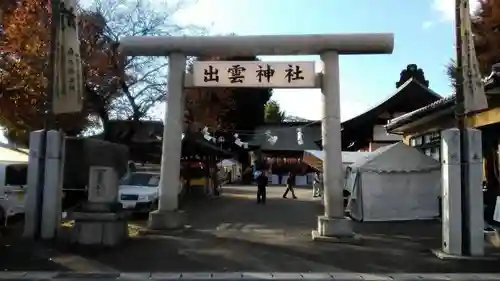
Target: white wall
(380,134)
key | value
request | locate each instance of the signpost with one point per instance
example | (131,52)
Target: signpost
(64,95)
(67,96)
(255,74)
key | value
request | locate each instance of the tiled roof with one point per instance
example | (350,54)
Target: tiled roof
(401,94)
(421,112)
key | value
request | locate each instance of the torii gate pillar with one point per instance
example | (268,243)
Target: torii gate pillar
(332,225)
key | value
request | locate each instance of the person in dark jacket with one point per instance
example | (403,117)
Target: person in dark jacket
(131,167)
(262,181)
(290,183)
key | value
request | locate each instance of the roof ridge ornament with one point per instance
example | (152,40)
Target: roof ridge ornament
(412,71)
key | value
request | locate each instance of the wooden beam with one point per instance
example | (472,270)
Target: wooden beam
(484,118)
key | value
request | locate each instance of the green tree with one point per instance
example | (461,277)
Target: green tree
(451,72)
(273,112)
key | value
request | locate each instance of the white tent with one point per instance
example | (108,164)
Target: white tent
(351,157)
(395,182)
(315,158)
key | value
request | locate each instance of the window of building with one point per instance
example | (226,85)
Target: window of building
(427,138)
(412,142)
(416,141)
(436,136)
(436,153)
(429,144)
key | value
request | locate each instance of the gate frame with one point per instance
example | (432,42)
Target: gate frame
(333,223)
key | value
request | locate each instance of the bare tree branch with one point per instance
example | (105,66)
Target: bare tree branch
(143,81)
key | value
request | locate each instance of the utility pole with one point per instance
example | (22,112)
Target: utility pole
(461,125)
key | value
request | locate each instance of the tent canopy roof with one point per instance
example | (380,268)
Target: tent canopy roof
(396,157)
(228,162)
(348,157)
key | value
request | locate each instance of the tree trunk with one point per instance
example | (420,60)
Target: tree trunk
(103,114)
(136,111)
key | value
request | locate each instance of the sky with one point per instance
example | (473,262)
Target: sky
(423,31)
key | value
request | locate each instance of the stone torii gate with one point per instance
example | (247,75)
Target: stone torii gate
(333,223)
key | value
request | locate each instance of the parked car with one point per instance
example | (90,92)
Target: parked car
(139,191)
(13,181)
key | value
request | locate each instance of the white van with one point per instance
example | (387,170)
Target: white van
(13,182)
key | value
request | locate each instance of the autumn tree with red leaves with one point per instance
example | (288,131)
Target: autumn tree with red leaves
(23,71)
(116,87)
(486,29)
(207,106)
(226,109)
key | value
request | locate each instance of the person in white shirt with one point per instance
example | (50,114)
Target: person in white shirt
(317,184)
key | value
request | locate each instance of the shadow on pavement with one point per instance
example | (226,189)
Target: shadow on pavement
(199,251)
(233,233)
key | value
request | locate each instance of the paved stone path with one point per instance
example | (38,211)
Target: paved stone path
(282,276)
(234,234)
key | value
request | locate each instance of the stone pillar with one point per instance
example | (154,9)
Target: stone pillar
(333,224)
(34,191)
(451,193)
(475,193)
(452,221)
(167,216)
(52,192)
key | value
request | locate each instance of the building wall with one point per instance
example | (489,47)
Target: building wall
(380,134)
(481,119)
(427,137)
(488,122)
(376,145)
(406,139)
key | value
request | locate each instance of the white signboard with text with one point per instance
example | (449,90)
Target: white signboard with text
(68,89)
(254,74)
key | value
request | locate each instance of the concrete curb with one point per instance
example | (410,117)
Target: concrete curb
(283,276)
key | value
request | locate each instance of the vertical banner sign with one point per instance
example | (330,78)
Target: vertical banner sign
(474,96)
(68,90)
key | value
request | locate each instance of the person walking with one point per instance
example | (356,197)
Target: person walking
(317,185)
(216,181)
(262,181)
(290,183)
(131,168)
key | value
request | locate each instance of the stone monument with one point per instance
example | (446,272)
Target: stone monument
(101,221)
